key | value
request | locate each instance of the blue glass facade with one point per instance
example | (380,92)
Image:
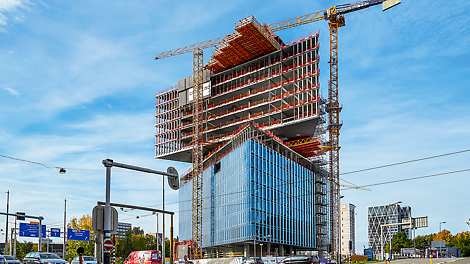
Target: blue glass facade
(256,192)
(185,211)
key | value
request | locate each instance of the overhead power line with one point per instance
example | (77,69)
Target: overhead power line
(33,162)
(405,162)
(283,198)
(55,167)
(415,178)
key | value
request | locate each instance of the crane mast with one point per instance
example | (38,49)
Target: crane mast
(197,155)
(335,18)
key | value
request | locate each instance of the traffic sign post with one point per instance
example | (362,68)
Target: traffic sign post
(55,232)
(108,245)
(80,251)
(40,218)
(97,217)
(77,234)
(31,230)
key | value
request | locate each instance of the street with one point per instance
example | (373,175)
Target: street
(434,261)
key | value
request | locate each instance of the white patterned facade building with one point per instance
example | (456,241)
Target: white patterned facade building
(348,229)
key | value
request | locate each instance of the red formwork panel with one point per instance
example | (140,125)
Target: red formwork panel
(251,40)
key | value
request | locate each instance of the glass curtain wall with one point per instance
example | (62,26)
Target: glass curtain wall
(255,193)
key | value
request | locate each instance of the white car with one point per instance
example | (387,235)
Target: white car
(86,260)
(11,260)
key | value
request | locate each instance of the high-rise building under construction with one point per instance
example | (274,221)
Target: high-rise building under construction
(263,125)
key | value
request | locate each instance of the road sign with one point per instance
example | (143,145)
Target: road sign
(80,251)
(419,222)
(32,230)
(20,218)
(108,245)
(97,217)
(77,234)
(55,232)
(174,182)
(415,222)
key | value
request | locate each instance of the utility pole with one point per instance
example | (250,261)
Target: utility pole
(65,228)
(6,224)
(163,222)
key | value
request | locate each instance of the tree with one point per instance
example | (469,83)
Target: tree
(443,235)
(84,223)
(423,242)
(137,231)
(23,248)
(399,241)
(462,241)
(136,240)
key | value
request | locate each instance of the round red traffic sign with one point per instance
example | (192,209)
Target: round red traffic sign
(108,245)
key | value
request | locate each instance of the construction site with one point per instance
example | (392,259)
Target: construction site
(262,139)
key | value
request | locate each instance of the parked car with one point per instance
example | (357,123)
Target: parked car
(301,260)
(85,259)
(253,261)
(182,261)
(2,260)
(144,257)
(42,258)
(11,260)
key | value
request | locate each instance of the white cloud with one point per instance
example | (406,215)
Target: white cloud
(13,92)
(10,52)
(3,19)
(11,7)
(127,138)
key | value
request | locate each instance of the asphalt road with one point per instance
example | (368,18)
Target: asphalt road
(434,261)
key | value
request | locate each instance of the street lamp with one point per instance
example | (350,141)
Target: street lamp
(440,237)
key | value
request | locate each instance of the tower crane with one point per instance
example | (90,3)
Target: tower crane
(335,18)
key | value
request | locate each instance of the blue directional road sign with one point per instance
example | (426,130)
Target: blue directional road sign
(77,234)
(32,230)
(55,232)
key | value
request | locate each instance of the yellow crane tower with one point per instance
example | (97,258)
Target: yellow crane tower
(335,18)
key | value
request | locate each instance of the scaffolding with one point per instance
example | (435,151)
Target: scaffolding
(277,92)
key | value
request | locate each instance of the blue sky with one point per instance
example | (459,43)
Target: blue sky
(78,78)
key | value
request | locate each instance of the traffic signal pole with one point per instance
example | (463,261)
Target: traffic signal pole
(107,212)
(40,218)
(173,181)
